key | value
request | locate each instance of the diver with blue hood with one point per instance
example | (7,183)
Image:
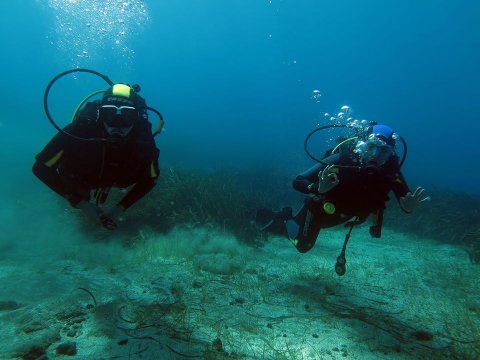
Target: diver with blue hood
(349,184)
(109,143)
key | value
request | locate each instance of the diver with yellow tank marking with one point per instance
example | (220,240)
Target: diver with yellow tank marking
(346,186)
(109,143)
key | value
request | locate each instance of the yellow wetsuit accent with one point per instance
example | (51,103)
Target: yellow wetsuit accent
(153,172)
(54,159)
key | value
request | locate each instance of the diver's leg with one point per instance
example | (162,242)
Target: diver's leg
(272,221)
(304,228)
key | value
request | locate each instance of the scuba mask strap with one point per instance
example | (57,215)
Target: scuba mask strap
(340,266)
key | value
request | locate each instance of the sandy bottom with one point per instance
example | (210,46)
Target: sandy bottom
(196,293)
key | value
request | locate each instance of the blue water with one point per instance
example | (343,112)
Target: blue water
(234,79)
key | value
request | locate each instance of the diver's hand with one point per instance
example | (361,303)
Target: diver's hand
(410,201)
(327,180)
(107,222)
(96,215)
(111,217)
(91,211)
(115,213)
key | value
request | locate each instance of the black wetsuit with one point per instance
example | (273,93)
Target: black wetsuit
(360,192)
(73,168)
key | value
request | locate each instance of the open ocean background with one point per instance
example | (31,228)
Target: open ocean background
(235,79)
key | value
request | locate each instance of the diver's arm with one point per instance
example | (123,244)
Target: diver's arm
(407,200)
(50,177)
(46,168)
(400,189)
(144,185)
(307,182)
(138,191)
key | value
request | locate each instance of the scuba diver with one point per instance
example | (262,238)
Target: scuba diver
(109,143)
(351,182)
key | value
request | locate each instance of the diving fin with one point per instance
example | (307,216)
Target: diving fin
(264,218)
(292,229)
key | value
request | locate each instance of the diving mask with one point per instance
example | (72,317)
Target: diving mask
(118,120)
(373,151)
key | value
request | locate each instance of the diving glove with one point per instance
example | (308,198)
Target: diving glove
(116,212)
(410,201)
(327,180)
(107,222)
(96,215)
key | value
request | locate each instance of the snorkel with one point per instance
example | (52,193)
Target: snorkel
(135,88)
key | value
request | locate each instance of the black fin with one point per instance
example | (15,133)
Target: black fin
(264,218)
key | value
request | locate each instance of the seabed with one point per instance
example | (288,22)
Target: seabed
(198,293)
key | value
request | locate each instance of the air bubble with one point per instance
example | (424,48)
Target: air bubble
(95,26)
(316,95)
